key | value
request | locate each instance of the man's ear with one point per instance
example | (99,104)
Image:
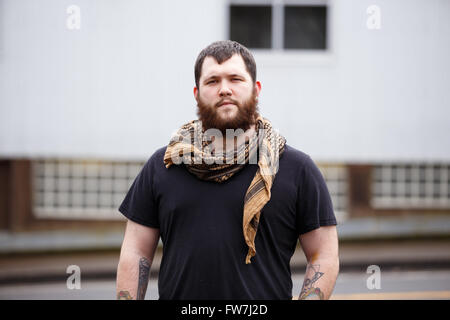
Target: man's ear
(196,93)
(257,87)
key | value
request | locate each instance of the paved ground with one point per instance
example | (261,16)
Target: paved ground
(354,256)
(350,285)
(410,269)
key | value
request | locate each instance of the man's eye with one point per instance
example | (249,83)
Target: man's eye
(236,79)
(211,81)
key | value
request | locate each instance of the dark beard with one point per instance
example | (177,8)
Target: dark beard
(245,117)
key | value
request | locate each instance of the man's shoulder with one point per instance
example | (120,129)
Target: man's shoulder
(298,161)
(159,153)
(297,156)
(157,158)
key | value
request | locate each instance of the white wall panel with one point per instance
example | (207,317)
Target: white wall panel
(119,86)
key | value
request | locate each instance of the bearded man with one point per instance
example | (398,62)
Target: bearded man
(229,200)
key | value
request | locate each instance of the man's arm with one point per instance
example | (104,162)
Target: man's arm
(136,256)
(321,250)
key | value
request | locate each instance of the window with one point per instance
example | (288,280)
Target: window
(274,25)
(76,189)
(251,25)
(421,185)
(335,176)
(305,27)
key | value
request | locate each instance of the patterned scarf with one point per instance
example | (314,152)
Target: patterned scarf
(192,146)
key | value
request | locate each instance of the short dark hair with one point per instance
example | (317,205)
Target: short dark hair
(222,51)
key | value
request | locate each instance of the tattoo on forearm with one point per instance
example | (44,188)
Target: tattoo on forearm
(144,271)
(308,291)
(124,295)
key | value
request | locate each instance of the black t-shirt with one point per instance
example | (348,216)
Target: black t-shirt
(200,225)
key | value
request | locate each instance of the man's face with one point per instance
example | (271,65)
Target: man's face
(226,96)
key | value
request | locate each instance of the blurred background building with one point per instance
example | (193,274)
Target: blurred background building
(90,89)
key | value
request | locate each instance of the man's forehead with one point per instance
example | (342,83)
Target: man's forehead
(234,65)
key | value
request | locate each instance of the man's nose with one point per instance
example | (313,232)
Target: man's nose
(224,90)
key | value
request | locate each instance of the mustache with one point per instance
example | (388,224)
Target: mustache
(227,100)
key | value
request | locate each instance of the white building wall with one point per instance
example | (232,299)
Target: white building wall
(118,87)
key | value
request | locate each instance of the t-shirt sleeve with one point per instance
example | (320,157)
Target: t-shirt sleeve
(139,203)
(314,205)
